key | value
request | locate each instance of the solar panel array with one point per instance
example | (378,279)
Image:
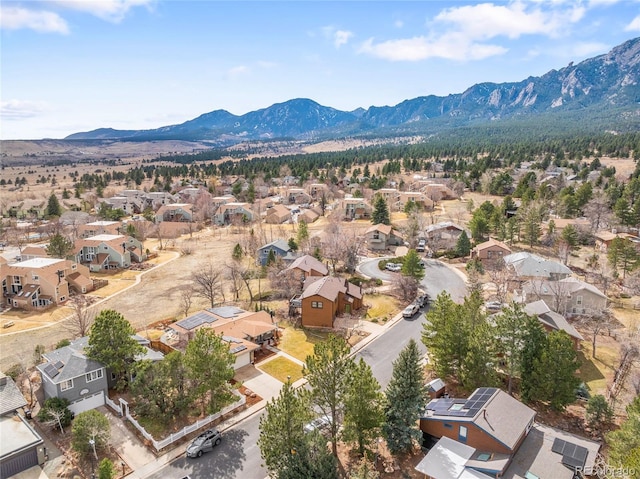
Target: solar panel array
(572,455)
(237,349)
(196,320)
(470,407)
(231,339)
(50,370)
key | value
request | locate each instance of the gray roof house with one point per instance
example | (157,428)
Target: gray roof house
(552,321)
(21,446)
(569,296)
(279,247)
(531,266)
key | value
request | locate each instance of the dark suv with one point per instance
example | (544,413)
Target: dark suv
(203,443)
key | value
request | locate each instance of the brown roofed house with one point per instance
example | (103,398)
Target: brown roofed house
(490,251)
(325,298)
(381,237)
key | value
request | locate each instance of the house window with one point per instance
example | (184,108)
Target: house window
(68,384)
(376,235)
(448,426)
(93,375)
(579,300)
(316,304)
(462,434)
(36,277)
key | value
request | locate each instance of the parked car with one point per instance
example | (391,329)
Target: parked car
(410,310)
(203,443)
(422,300)
(422,244)
(320,423)
(393,267)
(493,306)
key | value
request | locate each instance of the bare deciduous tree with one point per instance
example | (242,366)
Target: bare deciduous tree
(233,270)
(598,211)
(80,320)
(595,323)
(208,283)
(407,287)
(501,276)
(186,299)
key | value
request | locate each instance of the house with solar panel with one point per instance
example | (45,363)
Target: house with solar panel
(68,373)
(244,331)
(491,435)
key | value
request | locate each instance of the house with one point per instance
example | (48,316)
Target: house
(546,452)
(104,252)
(280,248)
(99,228)
(42,282)
(437,191)
(129,204)
(569,296)
(296,196)
(605,238)
(552,321)
(180,212)
(68,373)
(306,266)
(446,230)
(391,197)
(493,435)
(232,212)
(490,251)
(309,215)
(193,195)
(316,190)
(380,237)
(245,331)
(355,208)
(323,298)
(277,214)
(21,446)
(33,251)
(529,266)
(417,197)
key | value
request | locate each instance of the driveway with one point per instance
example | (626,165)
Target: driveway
(369,268)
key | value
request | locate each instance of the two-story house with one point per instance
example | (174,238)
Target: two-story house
(569,296)
(277,214)
(381,237)
(233,212)
(280,248)
(104,252)
(491,251)
(179,212)
(99,228)
(493,435)
(323,298)
(355,208)
(42,282)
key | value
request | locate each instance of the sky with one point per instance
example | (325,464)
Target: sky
(68,66)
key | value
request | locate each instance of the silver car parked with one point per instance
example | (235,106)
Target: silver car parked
(203,443)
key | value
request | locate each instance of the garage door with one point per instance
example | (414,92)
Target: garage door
(242,360)
(19,463)
(89,402)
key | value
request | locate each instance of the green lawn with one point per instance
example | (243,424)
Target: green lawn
(281,367)
(596,373)
(298,342)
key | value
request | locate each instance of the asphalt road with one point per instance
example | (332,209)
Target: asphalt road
(238,456)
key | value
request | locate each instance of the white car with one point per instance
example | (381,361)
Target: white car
(393,267)
(319,423)
(410,310)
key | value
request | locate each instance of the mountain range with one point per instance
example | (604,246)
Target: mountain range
(606,85)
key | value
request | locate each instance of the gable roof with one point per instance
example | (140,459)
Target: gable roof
(307,263)
(528,264)
(551,318)
(491,242)
(447,460)
(68,362)
(10,396)
(327,287)
(279,244)
(572,285)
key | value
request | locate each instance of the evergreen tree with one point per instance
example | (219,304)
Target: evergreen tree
(237,252)
(90,425)
(534,339)
(111,343)
(555,371)
(478,368)
(406,400)
(59,246)
(310,459)
(411,265)
(328,372)
(622,254)
(53,207)
(463,245)
(380,213)
(510,329)
(303,232)
(282,426)
(106,470)
(598,413)
(624,443)
(364,407)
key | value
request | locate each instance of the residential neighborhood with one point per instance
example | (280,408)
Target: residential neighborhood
(259,276)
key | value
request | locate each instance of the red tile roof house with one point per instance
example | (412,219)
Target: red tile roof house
(104,252)
(324,298)
(381,237)
(492,434)
(245,331)
(42,282)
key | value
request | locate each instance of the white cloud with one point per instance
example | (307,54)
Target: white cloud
(239,70)
(21,109)
(398,24)
(110,10)
(450,47)
(338,37)
(634,26)
(486,20)
(16,18)
(586,49)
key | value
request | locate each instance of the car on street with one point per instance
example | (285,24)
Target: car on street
(204,442)
(320,423)
(422,300)
(393,267)
(422,244)
(494,306)
(410,310)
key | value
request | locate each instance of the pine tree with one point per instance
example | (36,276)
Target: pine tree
(303,233)
(411,265)
(328,372)
(380,213)
(478,368)
(510,329)
(534,339)
(59,246)
(282,426)
(237,252)
(364,407)
(463,245)
(53,207)
(406,399)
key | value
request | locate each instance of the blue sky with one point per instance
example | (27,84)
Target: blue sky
(76,65)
